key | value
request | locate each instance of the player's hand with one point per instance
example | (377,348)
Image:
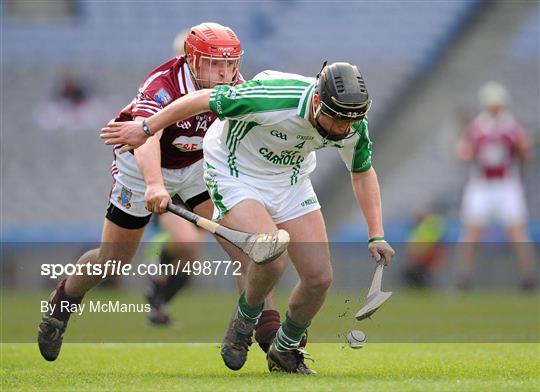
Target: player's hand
(129,133)
(381,249)
(156,198)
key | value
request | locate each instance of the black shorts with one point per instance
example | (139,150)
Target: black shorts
(131,222)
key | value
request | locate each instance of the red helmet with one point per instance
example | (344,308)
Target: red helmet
(212,41)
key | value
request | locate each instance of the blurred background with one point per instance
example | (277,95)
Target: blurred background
(68,66)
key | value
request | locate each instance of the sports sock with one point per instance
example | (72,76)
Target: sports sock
(60,297)
(247,312)
(172,285)
(289,334)
(266,328)
(165,257)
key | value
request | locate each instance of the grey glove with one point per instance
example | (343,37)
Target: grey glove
(381,248)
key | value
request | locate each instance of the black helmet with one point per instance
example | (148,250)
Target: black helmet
(343,92)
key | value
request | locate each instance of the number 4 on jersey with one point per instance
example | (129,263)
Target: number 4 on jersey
(300,145)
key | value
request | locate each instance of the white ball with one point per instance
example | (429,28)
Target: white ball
(356,339)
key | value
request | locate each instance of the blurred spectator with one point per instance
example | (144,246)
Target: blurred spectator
(494,144)
(73,106)
(72,90)
(425,250)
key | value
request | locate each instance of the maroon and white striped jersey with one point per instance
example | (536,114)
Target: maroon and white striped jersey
(181,143)
(495,143)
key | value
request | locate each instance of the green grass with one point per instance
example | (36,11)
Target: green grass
(479,341)
(378,366)
(489,317)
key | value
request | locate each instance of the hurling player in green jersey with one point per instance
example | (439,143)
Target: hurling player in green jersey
(257,164)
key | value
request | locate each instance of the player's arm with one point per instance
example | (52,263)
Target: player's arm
(132,133)
(356,153)
(367,192)
(464,150)
(148,158)
(464,147)
(524,145)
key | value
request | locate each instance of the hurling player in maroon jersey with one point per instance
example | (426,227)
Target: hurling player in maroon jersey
(183,241)
(494,144)
(143,184)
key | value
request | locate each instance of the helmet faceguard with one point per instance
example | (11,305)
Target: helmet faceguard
(343,96)
(211,45)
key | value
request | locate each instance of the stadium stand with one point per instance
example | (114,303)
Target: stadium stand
(61,177)
(502,45)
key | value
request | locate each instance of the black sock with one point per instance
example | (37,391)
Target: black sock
(173,283)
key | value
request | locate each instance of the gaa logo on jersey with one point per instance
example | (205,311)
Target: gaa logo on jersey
(231,94)
(162,97)
(278,134)
(184,124)
(125,197)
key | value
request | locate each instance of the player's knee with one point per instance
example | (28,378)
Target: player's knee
(319,283)
(274,268)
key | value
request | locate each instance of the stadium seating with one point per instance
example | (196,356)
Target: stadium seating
(62,176)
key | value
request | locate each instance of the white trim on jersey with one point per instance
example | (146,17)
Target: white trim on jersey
(151,79)
(187,87)
(190,87)
(150,107)
(151,112)
(148,102)
(181,83)
(307,92)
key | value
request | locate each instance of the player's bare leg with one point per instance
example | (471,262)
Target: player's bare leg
(269,321)
(311,257)
(118,244)
(466,254)
(249,215)
(525,256)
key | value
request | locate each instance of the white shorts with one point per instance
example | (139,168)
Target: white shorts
(128,189)
(283,202)
(488,200)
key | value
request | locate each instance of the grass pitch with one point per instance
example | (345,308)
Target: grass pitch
(378,366)
(408,317)
(416,342)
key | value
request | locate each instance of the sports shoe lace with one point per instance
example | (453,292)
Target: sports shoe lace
(243,342)
(300,355)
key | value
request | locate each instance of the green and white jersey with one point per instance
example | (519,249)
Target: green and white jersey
(265,132)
